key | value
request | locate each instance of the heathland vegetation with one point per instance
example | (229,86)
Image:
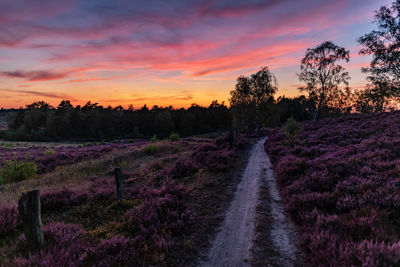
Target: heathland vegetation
(170,206)
(148,186)
(340,181)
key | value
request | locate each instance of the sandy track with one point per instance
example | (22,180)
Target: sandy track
(282,233)
(233,243)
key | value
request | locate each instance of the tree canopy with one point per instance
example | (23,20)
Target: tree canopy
(321,73)
(384,46)
(250,99)
(40,121)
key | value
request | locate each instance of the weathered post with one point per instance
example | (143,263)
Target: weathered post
(30,214)
(118,181)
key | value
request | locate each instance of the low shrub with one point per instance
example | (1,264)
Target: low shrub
(174,137)
(15,171)
(292,130)
(49,152)
(154,139)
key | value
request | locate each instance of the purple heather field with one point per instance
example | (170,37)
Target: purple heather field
(341,185)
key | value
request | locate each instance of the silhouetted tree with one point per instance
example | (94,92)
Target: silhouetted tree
(384,46)
(321,73)
(371,99)
(16,120)
(242,103)
(64,106)
(300,108)
(341,101)
(264,87)
(249,101)
(163,123)
(218,115)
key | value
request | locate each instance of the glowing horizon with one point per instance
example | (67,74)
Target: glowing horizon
(127,52)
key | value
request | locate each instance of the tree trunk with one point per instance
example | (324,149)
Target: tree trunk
(319,107)
(315,115)
(118,181)
(30,214)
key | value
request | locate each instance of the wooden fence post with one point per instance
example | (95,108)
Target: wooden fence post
(30,214)
(118,181)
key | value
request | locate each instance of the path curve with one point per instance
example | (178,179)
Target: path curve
(233,243)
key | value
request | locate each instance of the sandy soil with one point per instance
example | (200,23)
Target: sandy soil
(282,233)
(232,245)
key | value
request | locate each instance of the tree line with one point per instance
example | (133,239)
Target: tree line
(91,122)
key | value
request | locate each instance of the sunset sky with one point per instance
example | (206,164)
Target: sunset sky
(171,52)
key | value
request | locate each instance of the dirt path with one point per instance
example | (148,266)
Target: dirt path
(282,233)
(233,243)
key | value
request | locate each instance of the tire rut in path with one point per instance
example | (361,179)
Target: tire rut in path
(233,243)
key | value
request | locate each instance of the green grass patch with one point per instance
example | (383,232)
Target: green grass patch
(174,137)
(151,149)
(6,145)
(154,139)
(49,152)
(15,171)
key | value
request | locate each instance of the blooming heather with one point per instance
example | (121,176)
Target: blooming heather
(341,185)
(9,220)
(62,155)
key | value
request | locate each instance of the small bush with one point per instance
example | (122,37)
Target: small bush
(88,144)
(291,130)
(49,152)
(15,171)
(151,149)
(174,137)
(154,139)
